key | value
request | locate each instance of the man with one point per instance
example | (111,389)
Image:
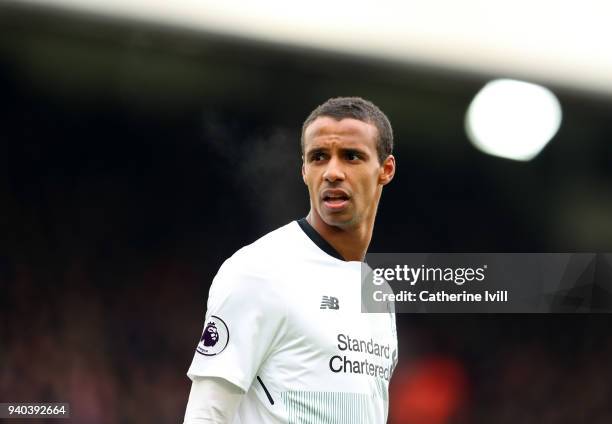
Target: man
(284,337)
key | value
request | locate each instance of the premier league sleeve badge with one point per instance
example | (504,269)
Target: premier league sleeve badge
(214,338)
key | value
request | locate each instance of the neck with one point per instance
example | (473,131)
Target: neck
(352,243)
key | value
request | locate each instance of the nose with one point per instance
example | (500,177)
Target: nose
(333,171)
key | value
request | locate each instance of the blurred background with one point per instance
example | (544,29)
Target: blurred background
(142,143)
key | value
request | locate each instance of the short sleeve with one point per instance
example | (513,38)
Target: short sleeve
(244,323)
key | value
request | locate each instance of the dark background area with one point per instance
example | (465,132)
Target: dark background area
(134,159)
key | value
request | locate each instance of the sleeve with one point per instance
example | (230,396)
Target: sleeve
(212,401)
(244,323)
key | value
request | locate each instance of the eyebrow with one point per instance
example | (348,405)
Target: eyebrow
(316,149)
(322,149)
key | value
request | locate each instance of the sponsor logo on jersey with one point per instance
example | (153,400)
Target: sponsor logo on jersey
(214,338)
(329,302)
(363,356)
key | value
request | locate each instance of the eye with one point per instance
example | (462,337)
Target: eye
(352,155)
(317,156)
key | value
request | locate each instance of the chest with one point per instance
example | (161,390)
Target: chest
(325,317)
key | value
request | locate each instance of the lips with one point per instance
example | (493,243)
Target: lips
(335,199)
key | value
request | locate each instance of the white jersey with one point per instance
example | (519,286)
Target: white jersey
(284,323)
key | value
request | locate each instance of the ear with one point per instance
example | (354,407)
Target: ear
(303,171)
(387,170)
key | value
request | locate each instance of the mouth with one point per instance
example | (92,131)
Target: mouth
(335,200)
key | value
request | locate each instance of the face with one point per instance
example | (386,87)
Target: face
(210,336)
(212,332)
(342,171)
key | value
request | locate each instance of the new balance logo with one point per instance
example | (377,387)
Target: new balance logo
(329,302)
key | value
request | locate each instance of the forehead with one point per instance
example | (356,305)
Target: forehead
(350,132)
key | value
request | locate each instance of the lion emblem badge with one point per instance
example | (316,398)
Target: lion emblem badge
(210,336)
(214,337)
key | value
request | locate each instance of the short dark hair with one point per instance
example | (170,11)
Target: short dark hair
(360,109)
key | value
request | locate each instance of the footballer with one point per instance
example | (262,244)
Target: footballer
(285,340)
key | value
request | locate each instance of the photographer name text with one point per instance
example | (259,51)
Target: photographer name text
(441,296)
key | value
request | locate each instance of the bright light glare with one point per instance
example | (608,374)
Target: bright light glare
(566,43)
(513,119)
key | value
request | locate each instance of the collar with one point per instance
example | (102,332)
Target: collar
(318,240)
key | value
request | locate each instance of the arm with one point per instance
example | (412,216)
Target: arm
(244,322)
(212,401)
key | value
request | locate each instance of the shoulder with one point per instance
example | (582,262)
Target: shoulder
(262,263)
(271,248)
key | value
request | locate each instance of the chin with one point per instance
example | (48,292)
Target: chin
(338,220)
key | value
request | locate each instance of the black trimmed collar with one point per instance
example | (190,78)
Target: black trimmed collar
(318,240)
